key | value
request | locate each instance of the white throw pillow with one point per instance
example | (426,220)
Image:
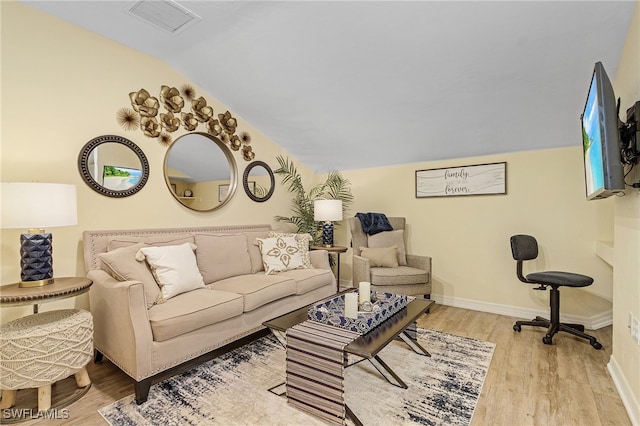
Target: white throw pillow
(279,254)
(174,268)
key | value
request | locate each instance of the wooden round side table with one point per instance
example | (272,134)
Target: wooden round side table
(62,288)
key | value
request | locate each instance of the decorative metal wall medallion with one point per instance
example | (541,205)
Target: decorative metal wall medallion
(147,117)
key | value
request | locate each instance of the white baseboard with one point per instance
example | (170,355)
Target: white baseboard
(626,394)
(593,322)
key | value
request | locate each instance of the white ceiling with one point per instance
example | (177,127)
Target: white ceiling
(347,85)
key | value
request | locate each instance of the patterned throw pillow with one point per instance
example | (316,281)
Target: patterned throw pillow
(279,254)
(303,241)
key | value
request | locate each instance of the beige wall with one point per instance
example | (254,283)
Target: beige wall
(63,86)
(468,237)
(626,273)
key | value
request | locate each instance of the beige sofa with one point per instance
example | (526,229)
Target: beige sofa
(149,338)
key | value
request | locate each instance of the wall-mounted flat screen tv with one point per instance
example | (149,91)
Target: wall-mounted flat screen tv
(120,178)
(604,172)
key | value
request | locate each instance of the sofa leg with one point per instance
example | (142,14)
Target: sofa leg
(428,297)
(98,357)
(142,390)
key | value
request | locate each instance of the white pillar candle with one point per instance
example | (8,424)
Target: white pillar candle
(365,291)
(351,305)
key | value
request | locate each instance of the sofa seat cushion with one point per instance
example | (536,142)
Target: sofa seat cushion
(398,276)
(193,310)
(257,289)
(309,279)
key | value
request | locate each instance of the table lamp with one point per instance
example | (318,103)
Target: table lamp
(34,206)
(327,211)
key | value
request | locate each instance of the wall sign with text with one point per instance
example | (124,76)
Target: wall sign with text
(481,179)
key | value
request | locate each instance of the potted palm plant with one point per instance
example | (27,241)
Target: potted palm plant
(335,187)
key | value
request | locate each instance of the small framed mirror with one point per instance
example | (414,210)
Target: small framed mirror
(113,166)
(200,172)
(258,181)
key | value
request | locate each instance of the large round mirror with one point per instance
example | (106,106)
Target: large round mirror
(200,172)
(113,166)
(258,181)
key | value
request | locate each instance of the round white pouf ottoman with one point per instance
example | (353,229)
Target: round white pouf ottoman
(38,350)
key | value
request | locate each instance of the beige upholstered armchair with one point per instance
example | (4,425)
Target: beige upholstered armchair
(411,276)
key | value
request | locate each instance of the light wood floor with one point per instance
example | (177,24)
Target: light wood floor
(529,383)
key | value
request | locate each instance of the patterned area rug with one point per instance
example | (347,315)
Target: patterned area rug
(233,389)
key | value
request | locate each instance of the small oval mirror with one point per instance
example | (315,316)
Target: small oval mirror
(258,181)
(200,172)
(113,166)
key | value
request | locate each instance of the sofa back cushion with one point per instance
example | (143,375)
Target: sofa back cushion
(222,256)
(254,250)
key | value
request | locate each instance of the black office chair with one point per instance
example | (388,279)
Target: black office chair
(525,247)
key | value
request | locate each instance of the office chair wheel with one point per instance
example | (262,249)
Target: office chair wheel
(596,344)
(546,340)
(516,327)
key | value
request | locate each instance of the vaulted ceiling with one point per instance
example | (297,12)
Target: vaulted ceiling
(347,85)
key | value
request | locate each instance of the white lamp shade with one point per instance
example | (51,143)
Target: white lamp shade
(327,210)
(38,205)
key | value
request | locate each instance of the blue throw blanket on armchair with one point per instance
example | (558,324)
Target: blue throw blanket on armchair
(373,223)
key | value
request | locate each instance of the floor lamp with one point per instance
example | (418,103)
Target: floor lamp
(327,211)
(34,206)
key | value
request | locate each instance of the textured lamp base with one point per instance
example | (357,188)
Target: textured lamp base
(327,234)
(36,260)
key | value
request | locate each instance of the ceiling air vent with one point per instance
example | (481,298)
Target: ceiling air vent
(165,14)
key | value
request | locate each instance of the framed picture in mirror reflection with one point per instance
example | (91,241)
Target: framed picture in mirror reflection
(223,190)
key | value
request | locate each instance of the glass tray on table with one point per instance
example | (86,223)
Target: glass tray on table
(384,305)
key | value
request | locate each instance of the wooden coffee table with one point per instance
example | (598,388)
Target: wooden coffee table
(401,325)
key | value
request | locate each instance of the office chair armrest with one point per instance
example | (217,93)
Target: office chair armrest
(361,270)
(420,262)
